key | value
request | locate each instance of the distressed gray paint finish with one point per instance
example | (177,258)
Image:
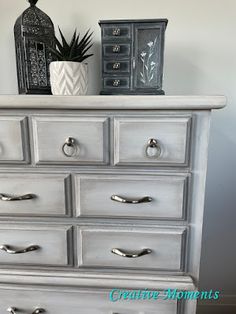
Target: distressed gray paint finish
(169,194)
(49,194)
(62,265)
(52,241)
(167,245)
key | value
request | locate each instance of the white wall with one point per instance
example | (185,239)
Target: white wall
(200,59)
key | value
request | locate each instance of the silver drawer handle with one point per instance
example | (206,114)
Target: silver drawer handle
(116,32)
(116,48)
(9,250)
(120,199)
(153,148)
(38,311)
(131,255)
(13,310)
(116,66)
(9,198)
(71,143)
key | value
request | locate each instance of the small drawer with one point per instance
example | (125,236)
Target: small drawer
(159,140)
(33,245)
(53,300)
(13,140)
(116,49)
(132,248)
(70,140)
(116,82)
(116,31)
(34,194)
(159,197)
(116,66)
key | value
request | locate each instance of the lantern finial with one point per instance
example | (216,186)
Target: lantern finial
(32,2)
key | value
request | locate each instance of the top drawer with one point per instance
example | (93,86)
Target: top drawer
(159,140)
(116,31)
(13,140)
(70,140)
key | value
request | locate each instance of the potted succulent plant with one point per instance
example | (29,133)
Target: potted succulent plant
(69,73)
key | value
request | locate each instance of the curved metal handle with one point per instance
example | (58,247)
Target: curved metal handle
(153,149)
(12,310)
(9,250)
(120,199)
(9,198)
(38,311)
(123,253)
(70,142)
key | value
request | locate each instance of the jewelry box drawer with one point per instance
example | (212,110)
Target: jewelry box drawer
(34,194)
(70,140)
(159,140)
(116,49)
(116,66)
(116,82)
(33,300)
(34,245)
(160,196)
(116,31)
(132,248)
(13,140)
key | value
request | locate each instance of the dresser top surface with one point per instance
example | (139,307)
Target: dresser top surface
(118,102)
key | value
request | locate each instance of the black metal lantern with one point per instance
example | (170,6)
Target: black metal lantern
(33,30)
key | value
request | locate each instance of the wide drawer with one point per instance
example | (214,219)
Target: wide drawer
(116,49)
(116,31)
(86,301)
(34,245)
(70,140)
(132,248)
(13,140)
(34,194)
(116,66)
(160,140)
(160,196)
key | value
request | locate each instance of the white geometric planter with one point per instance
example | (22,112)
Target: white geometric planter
(69,78)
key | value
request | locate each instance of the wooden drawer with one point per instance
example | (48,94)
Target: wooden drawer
(161,196)
(116,66)
(70,140)
(13,140)
(116,31)
(85,301)
(34,245)
(116,49)
(156,249)
(116,82)
(159,140)
(34,194)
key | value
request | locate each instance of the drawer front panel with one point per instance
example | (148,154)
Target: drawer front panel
(34,194)
(116,31)
(13,140)
(116,49)
(154,141)
(116,83)
(96,196)
(88,140)
(164,248)
(116,66)
(46,246)
(82,301)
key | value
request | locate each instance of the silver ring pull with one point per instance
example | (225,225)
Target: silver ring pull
(9,198)
(9,250)
(70,148)
(123,253)
(153,149)
(120,199)
(12,310)
(38,311)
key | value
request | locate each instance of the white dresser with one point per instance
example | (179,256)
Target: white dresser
(100,193)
